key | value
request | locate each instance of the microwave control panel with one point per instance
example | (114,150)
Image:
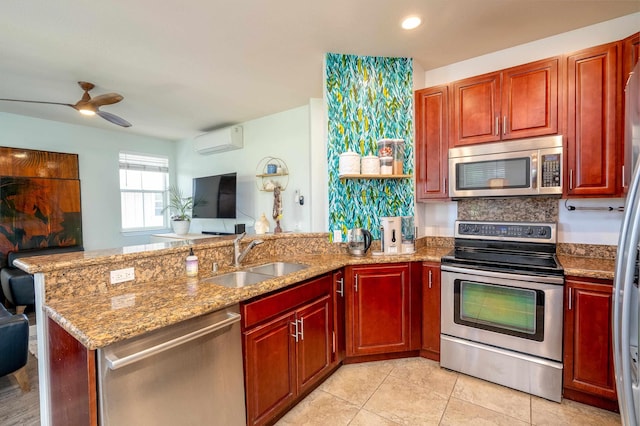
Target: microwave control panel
(551,170)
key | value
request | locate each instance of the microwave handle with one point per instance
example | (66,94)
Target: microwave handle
(534,171)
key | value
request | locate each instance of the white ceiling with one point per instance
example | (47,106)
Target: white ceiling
(191,66)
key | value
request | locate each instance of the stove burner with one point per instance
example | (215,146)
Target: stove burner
(504,247)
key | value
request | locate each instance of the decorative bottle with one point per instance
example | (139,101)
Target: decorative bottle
(262,225)
(192,264)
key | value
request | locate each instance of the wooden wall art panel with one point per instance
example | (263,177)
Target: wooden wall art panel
(39,200)
(32,163)
(37,212)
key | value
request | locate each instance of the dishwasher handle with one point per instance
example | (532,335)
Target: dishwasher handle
(114,362)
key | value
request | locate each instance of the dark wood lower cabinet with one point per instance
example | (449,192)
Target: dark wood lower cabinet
(588,343)
(289,347)
(72,379)
(382,313)
(431,311)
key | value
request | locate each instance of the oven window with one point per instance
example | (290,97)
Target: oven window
(507,310)
(494,174)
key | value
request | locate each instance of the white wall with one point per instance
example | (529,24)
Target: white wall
(574,227)
(98,163)
(285,135)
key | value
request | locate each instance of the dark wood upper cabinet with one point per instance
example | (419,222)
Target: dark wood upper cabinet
(630,55)
(530,100)
(432,142)
(515,103)
(593,90)
(475,110)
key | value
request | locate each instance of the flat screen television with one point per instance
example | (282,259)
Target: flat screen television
(215,197)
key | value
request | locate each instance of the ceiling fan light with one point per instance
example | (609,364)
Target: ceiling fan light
(87,112)
(411,22)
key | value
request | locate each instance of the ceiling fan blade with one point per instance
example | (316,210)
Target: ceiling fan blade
(106,99)
(36,102)
(113,118)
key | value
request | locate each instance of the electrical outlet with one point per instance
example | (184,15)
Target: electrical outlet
(122,275)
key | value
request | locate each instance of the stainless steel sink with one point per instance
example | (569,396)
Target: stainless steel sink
(277,269)
(238,279)
(255,274)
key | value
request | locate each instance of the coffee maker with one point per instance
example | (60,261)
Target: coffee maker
(391,234)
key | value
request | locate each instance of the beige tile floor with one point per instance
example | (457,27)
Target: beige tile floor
(416,391)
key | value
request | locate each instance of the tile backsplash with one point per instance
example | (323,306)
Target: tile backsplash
(516,209)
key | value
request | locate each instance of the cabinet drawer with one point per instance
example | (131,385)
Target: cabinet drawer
(268,306)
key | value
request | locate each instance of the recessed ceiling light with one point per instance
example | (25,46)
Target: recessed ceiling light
(411,22)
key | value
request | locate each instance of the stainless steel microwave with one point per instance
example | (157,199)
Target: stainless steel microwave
(506,169)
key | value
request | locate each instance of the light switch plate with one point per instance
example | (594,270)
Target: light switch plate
(122,275)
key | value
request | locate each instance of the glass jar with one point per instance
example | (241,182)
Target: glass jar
(398,156)
(385,152)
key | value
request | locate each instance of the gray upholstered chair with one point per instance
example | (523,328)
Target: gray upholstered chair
(14,347)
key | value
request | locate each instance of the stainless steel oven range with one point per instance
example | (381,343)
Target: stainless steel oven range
(502,306)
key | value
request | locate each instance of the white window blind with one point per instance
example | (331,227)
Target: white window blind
(144,180)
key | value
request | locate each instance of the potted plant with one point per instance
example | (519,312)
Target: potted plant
(179,205)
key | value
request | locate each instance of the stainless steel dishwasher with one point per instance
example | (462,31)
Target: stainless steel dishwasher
(189,373)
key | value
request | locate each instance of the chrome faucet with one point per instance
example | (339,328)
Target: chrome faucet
(237,254)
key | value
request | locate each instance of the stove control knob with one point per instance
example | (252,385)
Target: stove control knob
(542,232)
(529,231)
(476,229)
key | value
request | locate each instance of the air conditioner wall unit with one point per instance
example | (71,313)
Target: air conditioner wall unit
(219,140)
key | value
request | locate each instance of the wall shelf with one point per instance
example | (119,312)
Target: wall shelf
(265,181)
(361,176)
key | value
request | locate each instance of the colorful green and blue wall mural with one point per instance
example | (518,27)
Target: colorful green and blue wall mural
(368,99)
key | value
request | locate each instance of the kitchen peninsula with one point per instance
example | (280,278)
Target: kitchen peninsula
(76,304)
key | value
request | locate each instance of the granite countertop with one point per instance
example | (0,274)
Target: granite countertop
(98,320)
(588,267)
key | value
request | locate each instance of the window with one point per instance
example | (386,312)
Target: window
(144,180)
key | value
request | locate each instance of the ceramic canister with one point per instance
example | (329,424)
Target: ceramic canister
(370,165)
(349,163)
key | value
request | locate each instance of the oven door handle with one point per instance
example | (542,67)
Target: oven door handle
(504,275)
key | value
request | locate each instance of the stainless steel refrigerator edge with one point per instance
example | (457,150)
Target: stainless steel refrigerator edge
(626,298)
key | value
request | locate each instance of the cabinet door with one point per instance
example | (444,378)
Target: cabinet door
(588,344)
(630,55)
(315,341)
(378,309)
(339,344)
(475,110)
(529,101)
(432,142)
(431,310)
(592,88)
(270,373)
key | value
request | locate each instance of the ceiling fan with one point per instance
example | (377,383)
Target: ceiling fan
(88,105)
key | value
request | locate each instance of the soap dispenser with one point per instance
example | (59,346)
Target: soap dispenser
(192,264)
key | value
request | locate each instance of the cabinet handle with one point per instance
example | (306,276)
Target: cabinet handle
(301,328)
(340,290)
(504,125)
(570,178)
(356,283)
(295,335)
(570,298)
(444,182)
(430,278)
(623,177)
(497,125)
